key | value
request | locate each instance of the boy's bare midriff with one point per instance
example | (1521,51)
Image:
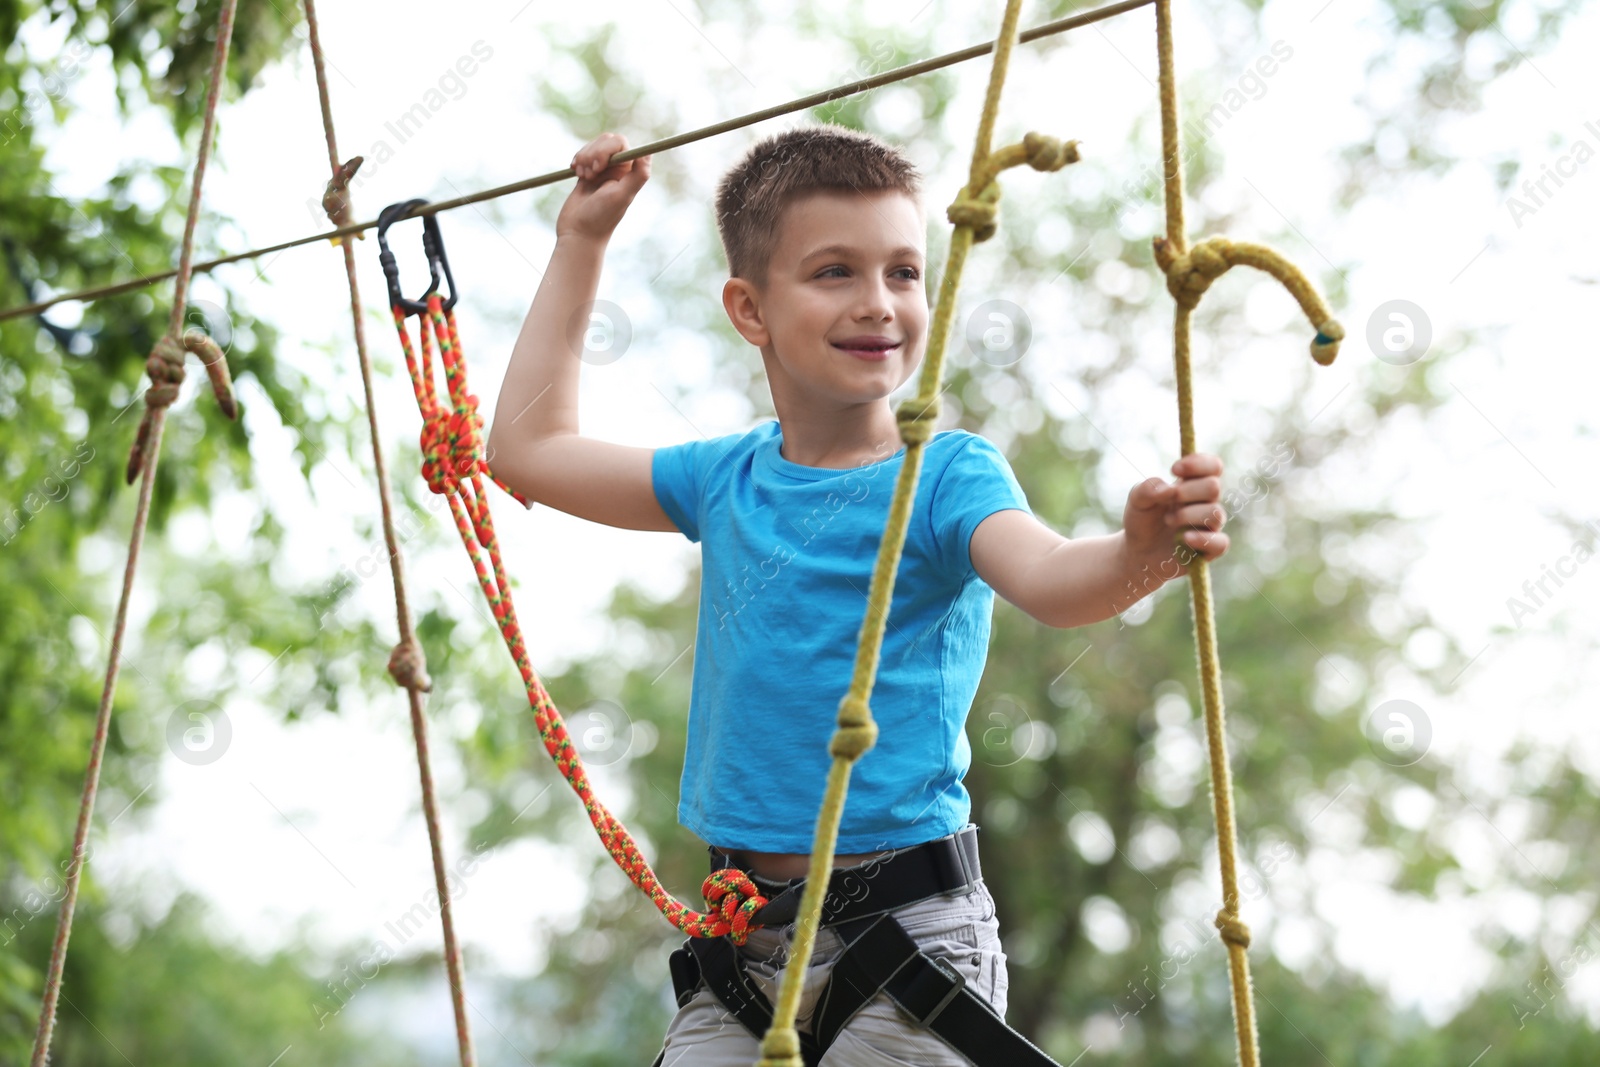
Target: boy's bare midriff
(782,866)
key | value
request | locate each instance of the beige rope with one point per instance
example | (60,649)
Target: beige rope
(407,664)
(165,367)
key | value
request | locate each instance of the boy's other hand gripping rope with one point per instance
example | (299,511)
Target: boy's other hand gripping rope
(454,467)
(1189,273)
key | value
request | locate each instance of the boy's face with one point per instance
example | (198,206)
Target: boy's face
(847,267)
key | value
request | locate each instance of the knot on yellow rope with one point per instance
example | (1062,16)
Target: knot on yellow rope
(734,897)
(165,368)
(916,419)
(408,667)
(336,197)
(1048,153)
(780,1048)
(1191,273)
(976,212)
(1232,928)
(857,732)
(452,448)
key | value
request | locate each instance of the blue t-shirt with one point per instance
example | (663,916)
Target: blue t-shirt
(786,566)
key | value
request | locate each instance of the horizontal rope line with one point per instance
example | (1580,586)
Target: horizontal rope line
(849,89)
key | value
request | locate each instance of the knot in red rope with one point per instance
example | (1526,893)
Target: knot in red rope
(734,897)
(452,447)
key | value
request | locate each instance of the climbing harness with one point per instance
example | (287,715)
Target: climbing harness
(454,466)
(879,956)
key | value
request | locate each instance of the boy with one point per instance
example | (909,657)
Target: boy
(824,231)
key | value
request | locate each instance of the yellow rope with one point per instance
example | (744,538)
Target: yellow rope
(973,214)
(1189,273)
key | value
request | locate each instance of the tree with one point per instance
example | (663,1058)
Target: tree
(63,441)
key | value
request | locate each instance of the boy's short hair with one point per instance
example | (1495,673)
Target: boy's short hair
(753,196)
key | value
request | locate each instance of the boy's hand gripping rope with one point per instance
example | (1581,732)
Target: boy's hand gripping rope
(454,467)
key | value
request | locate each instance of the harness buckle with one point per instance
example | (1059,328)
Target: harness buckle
(958,982)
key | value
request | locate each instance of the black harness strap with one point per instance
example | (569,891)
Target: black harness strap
(723,969)
(879,956)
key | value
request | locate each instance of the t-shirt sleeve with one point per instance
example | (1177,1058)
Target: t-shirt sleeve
(977,483)
(677,473)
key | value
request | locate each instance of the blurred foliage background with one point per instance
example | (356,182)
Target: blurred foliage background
(1088,777)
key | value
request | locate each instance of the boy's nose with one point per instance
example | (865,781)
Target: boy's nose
(875,301)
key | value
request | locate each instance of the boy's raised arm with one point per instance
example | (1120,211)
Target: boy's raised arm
(534,445)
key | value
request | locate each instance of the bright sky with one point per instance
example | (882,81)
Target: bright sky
(1480,485)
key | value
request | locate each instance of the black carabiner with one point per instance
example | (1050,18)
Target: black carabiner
(432,247)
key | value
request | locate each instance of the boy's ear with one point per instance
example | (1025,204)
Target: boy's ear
(742,301)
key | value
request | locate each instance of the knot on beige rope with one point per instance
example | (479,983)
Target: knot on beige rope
(1233,929)
(165,368)
(916,419)
(409,667)
(780,1048)
(336,197)
(1190,274)
(857,732)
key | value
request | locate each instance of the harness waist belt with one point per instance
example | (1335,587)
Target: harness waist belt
(945,865)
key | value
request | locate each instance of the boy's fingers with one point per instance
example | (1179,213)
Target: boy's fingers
(1209,516)
(1206,488)
(1151,493)
(638,173)
(591,154)
(1197,464)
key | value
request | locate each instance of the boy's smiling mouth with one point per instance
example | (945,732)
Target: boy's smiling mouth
(874,347)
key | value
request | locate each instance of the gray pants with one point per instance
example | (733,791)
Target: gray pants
(961,928)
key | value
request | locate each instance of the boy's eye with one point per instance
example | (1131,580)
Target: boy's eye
(915,274)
